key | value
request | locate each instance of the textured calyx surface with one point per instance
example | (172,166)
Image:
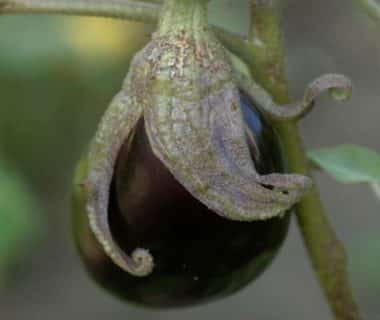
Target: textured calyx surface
(181,84)
(196,128)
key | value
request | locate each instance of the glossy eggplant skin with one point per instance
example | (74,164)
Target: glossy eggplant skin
(199,256)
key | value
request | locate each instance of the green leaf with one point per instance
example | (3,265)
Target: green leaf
(348,163)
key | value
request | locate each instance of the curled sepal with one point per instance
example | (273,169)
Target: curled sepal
(203,143)
(339,86)
(116,125)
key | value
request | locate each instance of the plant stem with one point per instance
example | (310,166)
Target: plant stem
(372,8)
(125,9)
(182,15)
(268,56)
(326,252)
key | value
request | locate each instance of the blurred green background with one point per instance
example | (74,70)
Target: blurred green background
(57,75)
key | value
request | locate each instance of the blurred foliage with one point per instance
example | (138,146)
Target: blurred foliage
(350,164)
(56,79)
(20,221)
(54,88)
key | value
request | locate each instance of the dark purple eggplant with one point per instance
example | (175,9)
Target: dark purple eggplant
(199,255)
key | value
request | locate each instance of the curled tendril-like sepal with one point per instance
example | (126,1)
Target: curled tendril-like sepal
(339,87)
(117,124)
